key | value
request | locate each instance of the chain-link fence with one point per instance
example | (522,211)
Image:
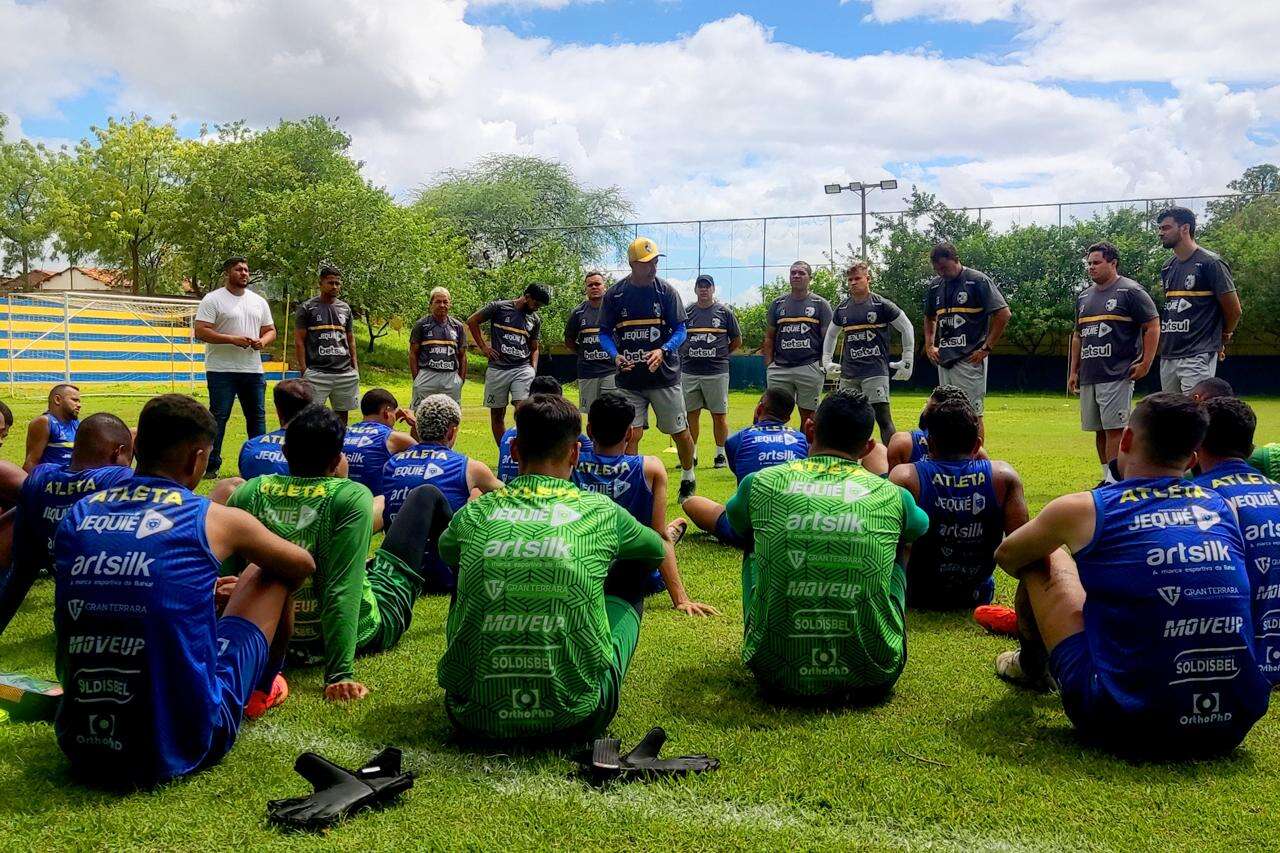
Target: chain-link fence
(744,254)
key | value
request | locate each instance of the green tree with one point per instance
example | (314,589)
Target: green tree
(507,205)
(26,207)
(1255,182)
(118,197)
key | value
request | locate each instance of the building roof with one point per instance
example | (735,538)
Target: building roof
(34,279)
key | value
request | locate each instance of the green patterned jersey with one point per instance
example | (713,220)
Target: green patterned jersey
(527,638)
(823,594)
(332,518)
(1267,460)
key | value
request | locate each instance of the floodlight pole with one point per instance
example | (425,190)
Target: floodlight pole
(861,188)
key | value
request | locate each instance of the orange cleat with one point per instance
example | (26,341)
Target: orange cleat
(260,702)
(997,619)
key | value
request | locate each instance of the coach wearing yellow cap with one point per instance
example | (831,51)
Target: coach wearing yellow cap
(642,326)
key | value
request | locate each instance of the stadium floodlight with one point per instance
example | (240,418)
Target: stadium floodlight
(861,188)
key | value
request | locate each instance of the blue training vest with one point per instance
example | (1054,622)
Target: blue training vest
(1257,503)
(507,468)
(952,564)
(47,495)
(621,478)
(365,446)
(1167,613)
(919,445)
(137,642)
(263,455)
(442,467)
(62,438)
(763,445)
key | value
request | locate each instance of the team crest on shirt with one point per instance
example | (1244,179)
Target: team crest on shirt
(717,322)
(871,316)
(657,310)
(808,311)
(1190,282)
(1111,305)
(962,297)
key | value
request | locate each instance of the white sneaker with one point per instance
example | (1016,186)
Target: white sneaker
(1009,668)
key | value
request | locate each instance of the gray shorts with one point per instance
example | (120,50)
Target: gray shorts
(969,378)
(589,389)
(1105,405)
(429,382)
(706,392)
(874,388)
(340,390)
(1180,375)
(668,407)
(511,384)
(804,382)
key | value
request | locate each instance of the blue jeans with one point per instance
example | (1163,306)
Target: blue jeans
(224,388)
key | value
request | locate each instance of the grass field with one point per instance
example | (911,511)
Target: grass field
(956,759)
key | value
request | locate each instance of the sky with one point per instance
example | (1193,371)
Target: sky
(697,109)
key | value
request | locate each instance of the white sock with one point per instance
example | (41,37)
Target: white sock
(719,450)
(1106,472)
(686,475)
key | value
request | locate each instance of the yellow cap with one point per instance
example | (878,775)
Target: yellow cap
(642,249)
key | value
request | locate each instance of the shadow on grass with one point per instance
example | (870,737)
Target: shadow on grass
(1029,729)
(726,694)
(39,646)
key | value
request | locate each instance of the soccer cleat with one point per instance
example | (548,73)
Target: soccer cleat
(260,702)
(687,488)
(1009,668)
(720,462)
(997,619)
(677,529)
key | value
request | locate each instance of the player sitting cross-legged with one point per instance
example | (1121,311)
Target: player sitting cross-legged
(822,581)
(550,591)
(100,459)
(768,441)
(154,681)
(636,483)
(972,503)
(1134,597)
(351,606)
(371,442)
(51,435)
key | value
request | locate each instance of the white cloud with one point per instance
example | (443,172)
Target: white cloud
(723,122)
(968,11)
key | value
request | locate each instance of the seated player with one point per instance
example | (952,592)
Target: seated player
(350,606)
(434,461)
(913,445)
(154,682)
(506,463)
(6,422)
(638,484)
(972,504)
(823,588)
(1208,389)
(1145,620)
(550,592)
(262,455)
(371,442)
(1267,460)
(1256,500)
(51,435)
(768,441)
(100,459)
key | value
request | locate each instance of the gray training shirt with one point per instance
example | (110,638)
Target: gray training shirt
(866,326)
(799,325)
(962,307)
(511,333)
(710,329)
(1109,323)
(1191,318)
(440,345)
(583,328)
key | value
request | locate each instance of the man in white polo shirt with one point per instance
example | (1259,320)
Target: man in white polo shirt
(235,324)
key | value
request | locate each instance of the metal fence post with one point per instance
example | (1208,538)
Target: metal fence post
(9,301)
(764,248)
(66,335)
(699,247)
